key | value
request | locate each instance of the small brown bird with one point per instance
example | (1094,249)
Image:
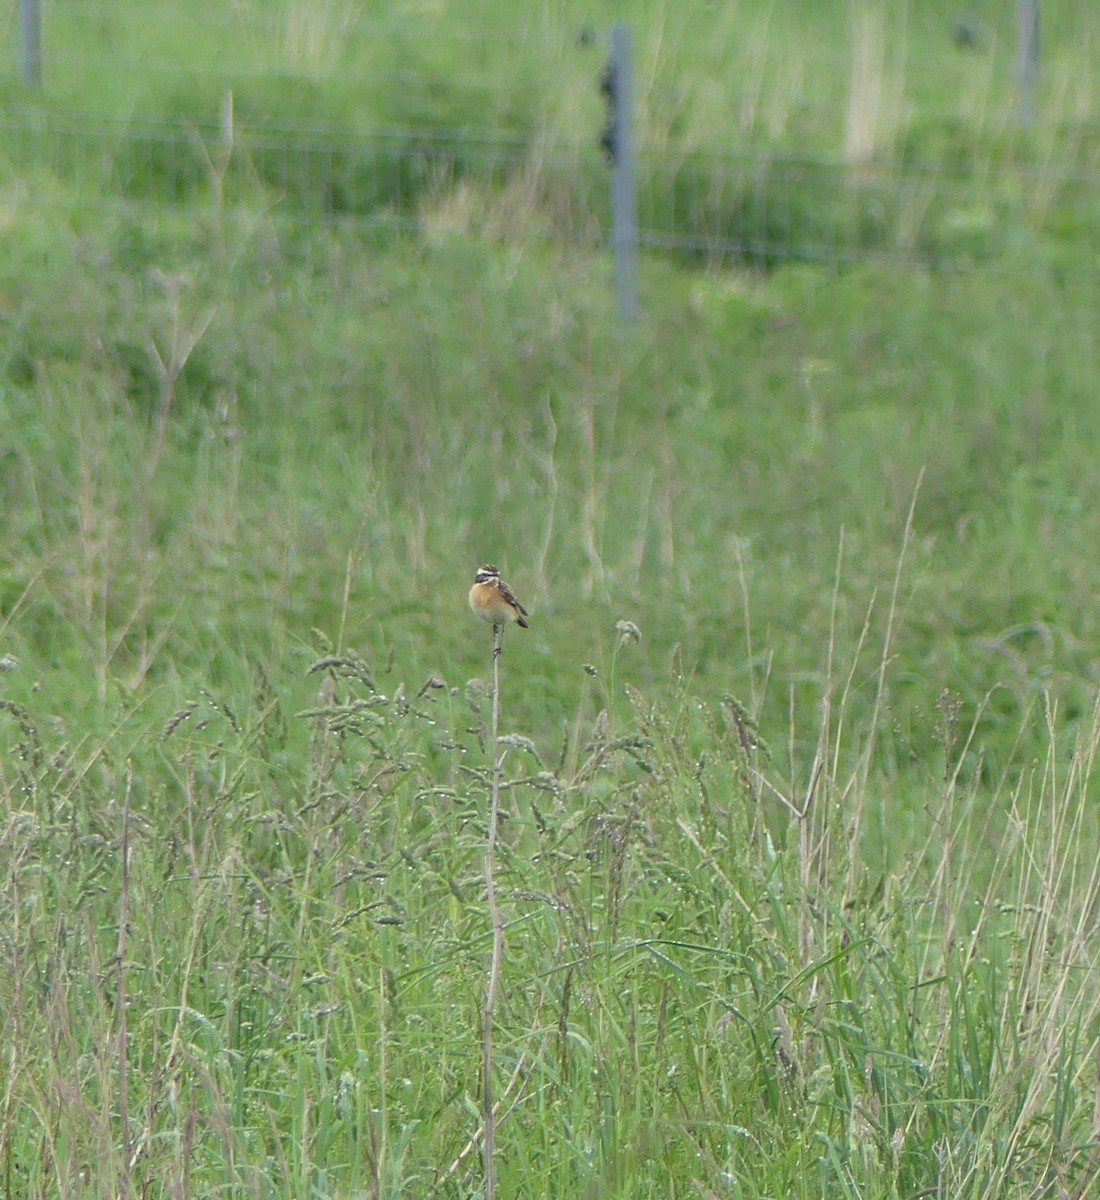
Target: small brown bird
(494,601)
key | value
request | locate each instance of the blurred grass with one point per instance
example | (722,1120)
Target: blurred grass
(464,399)
(223,434)
(799,887)
(792,133)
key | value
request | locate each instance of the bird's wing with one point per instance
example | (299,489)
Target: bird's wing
(510,596)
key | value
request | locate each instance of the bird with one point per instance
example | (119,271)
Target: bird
(494,601)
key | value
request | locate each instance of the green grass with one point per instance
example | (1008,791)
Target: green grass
(886,994)
(799,886)
(790,132)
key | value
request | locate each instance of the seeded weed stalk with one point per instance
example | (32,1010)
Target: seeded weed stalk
(493,990)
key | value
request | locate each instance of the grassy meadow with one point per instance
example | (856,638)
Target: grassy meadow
(798,859)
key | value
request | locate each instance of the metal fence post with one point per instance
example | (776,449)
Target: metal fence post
(619,142)
(1027,59)
(30,12)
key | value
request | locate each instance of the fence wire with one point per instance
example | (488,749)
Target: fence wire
(316,114)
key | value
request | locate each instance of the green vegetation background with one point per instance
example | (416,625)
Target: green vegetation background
(800,886)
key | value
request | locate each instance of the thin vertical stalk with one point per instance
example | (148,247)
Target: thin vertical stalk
(122,1032)
(493,990)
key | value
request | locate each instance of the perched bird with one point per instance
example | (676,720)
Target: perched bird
(494,601)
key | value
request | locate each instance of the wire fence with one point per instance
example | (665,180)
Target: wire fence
(754,152)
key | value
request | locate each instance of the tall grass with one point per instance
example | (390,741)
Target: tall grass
(785,411)
(796,842)
(750,124)
(234,964)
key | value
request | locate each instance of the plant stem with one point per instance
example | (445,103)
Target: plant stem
(489,1143)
